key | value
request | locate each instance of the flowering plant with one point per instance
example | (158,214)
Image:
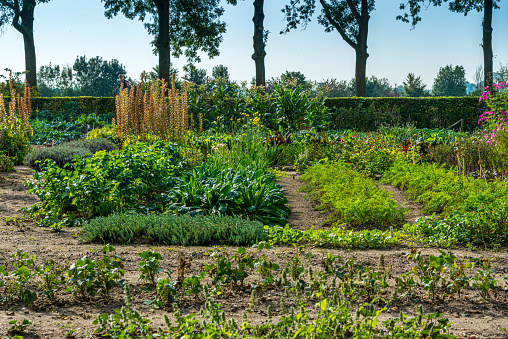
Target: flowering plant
(495,120)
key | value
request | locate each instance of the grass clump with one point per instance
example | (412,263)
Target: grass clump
(350,196)
(175,230)
(64,153)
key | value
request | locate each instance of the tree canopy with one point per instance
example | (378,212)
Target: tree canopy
(450,81)
(179,26)
(413,8)
(350,18)
(97,77)
(414,86)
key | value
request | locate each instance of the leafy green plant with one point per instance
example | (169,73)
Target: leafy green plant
(333,237)
(223,270)
(49,275)
(19,326)
(149,267)
(484,279)
(123,323)
(108,181)
(6,164)
(292,104)
(166,292)
(208,190)
(89,277)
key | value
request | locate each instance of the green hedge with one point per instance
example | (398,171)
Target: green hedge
(87,105)
(367,114)
(362,114)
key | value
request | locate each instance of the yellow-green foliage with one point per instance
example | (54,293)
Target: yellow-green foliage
(6,164)
(351,197)
(106,132)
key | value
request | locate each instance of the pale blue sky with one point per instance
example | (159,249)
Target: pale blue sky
(65,29)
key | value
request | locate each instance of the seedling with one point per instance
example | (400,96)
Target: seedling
(19,327)
(149,267)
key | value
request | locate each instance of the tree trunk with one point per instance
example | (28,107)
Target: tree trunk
(259,45)
(26,28)
(361,52)
(487,44)
(162,41)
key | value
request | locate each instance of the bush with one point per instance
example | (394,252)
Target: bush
(368,114)
(14,144)
(107,132)
(64,154)
(173,230)
(130,179)
(6,164)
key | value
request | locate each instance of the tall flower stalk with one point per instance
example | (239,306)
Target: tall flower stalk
(152,110)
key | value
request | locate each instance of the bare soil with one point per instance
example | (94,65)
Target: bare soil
(54,319)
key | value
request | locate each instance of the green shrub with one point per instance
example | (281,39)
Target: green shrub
(333,237)
(106,132)
(94,145)
(130,179)
(14,144)
(64,154)
(369,114)
(173,230)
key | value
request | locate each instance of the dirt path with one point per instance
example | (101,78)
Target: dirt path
(303,211)
(414,209)
(13,191)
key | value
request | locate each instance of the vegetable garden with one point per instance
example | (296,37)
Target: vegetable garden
(170,219)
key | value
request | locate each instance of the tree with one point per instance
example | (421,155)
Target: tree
(296,77)
(20,13)
(97,77)
(502,72)
(377,87)
(333,88)
(179,26)
(220,71)
(56,81)
(195,75)
(462,6)
(414,87)
(350,18)
(450,82)
(259,42)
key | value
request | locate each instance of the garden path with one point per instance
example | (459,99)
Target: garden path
(303,210)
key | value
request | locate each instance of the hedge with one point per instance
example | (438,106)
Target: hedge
(362,114)
(366,114)
(87,105)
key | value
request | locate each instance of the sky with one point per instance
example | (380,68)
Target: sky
(66,29)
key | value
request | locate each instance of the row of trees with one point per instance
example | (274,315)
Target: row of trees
(188,26)
(97,77)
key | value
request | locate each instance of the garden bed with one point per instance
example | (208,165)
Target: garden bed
(70,315)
